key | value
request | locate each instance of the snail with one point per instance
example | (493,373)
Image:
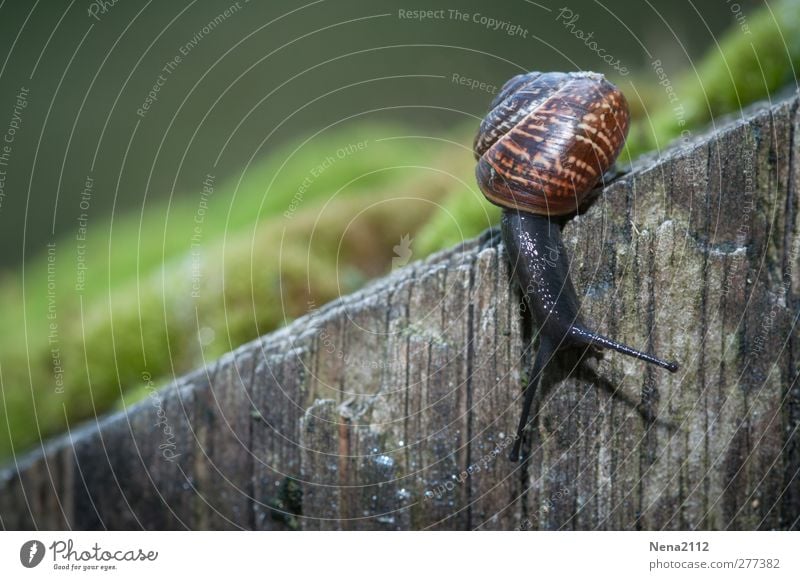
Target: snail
(546,142)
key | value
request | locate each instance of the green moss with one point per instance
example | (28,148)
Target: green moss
(462,215)
(165,306)
(741,69)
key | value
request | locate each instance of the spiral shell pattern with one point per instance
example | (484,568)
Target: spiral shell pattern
(548,139)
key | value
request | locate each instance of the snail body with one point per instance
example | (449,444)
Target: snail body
(545,144)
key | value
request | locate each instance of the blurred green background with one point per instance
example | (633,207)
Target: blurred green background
(183,177)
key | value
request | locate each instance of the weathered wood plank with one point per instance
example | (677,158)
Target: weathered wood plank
(394,407)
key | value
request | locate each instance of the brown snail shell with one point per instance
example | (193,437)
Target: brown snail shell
(548,139)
